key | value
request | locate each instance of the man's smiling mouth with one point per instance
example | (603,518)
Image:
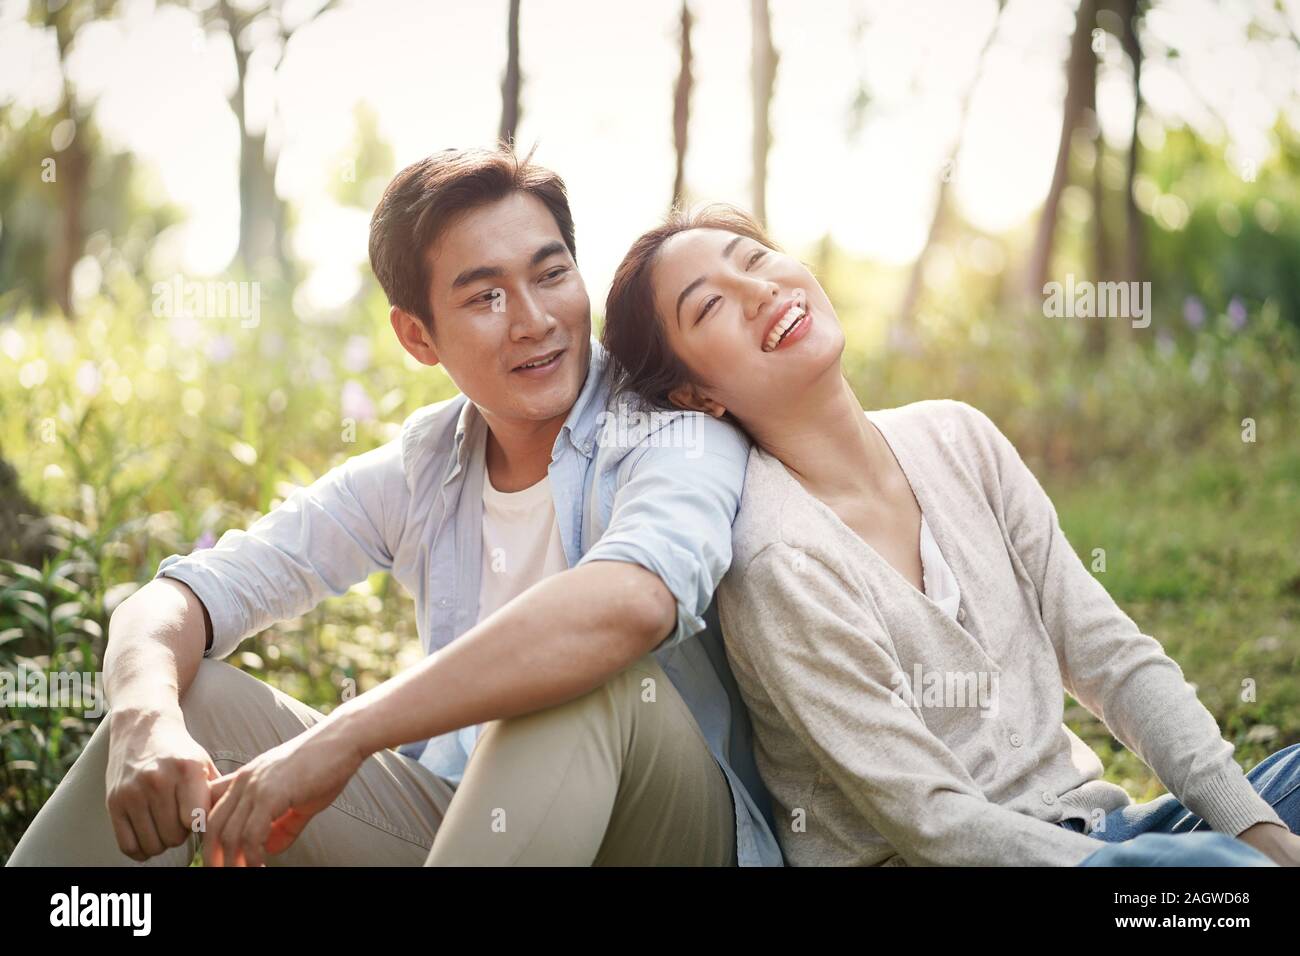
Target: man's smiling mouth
(545,360)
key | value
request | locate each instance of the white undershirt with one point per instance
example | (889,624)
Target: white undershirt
(940,582)
(521,542)
(521,545)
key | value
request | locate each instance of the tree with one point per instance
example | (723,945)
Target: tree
(938,223)
(1080,84)
(682,106)
(763,78)
(263,216)
(511,81)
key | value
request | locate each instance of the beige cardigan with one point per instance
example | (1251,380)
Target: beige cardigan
(889,733)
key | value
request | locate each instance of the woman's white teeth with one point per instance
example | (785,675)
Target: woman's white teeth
(541,362)
(788,322)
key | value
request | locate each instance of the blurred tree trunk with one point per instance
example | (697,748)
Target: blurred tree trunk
(1080,85)
(916,281)
(1135,237)
(510,83)
(263,216)
(22,531)
(1095,329)
(763,79)
(682,107)
(72,164)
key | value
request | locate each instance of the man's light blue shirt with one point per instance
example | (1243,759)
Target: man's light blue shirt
(659,490)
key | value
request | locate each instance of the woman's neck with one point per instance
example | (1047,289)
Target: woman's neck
(827,443)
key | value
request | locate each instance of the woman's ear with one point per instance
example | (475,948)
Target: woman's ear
(689,398)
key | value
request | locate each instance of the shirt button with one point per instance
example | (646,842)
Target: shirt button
(443,602)
(1048,797)
(1016,740)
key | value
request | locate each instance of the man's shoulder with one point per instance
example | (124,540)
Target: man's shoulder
(627,424)
(764,505)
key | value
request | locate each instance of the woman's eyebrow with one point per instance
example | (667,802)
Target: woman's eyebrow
(726,251)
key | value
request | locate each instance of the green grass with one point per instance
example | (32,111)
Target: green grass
(1202,554)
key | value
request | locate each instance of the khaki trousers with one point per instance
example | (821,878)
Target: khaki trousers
(619,776)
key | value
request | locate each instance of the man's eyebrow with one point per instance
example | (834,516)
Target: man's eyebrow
(473,275)
(726,251)
(495,272)
(548,250)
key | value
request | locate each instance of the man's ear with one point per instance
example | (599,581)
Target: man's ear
(413,335)
(690,398)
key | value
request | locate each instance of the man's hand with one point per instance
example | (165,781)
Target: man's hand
(262,807)
(157,777)
(1276,842)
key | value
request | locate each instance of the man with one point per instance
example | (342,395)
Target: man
(561,576)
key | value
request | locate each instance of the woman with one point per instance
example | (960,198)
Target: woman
(903,612)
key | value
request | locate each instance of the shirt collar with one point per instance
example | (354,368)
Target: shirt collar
(579,427)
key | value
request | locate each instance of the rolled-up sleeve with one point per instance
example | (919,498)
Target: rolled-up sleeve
(673,511)
(322,540)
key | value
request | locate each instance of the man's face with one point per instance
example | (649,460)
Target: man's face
(504,293)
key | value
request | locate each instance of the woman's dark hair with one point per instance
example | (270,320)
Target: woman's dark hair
(640,359)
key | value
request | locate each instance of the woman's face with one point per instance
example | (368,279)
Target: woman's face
(725,301)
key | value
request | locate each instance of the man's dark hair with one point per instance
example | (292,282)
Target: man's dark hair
(426,196)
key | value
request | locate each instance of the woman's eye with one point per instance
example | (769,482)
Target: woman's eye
(708,304)
(758,254)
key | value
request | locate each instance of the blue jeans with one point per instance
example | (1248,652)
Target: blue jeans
(1162,832)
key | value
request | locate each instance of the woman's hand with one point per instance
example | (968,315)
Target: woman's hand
(262,807)
(1276,842)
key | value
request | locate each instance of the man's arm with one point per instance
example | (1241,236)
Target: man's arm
(820,657)
(318,543)
(565,636)
(1114,670)
(156,638)
(321,541)
(157,774)
(644,585)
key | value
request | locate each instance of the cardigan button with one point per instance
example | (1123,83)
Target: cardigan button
(1048,797)
(961,614)
(1016,740)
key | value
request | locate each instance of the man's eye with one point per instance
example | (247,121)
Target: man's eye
(487,297)
(708,304)
(758,254)
(555,273)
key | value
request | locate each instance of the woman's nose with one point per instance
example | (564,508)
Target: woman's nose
(765,299)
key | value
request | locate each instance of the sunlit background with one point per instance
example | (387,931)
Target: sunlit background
(937,162)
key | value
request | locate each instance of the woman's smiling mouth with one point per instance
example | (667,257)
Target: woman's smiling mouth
(792,323)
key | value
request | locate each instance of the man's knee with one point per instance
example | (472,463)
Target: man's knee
(219,694)
(608,711)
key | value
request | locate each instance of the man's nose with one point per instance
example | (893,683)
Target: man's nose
(529,316)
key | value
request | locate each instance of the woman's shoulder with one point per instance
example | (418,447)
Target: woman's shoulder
(948,440)
(948,420)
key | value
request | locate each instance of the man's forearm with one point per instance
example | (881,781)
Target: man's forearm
(156,639)
(563,637)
